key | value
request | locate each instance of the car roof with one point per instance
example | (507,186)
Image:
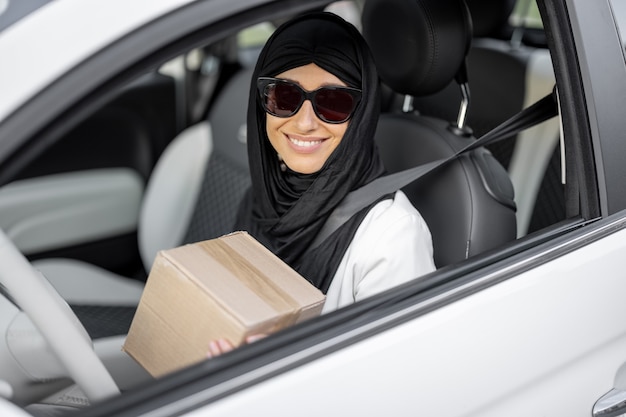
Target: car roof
(45,43)
(13,10)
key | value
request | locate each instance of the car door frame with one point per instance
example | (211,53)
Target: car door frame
(596,211)
(233,373)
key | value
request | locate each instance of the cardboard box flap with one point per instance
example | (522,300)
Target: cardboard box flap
(230,287)
(220,284)
(243,271)
(283,277)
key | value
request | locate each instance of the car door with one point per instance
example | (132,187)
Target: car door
(531,327)
(534,327)
(539,332)
(541,343)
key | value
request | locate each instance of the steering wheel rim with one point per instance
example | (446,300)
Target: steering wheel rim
(56,321)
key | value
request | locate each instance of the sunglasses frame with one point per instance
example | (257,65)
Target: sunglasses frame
(264,82)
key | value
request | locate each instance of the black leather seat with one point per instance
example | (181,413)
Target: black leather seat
(419,48)
(506,76)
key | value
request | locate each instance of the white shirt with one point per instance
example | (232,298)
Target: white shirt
(391,246)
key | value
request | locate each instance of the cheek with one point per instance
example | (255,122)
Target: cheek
(271,124)
(338,131)
(271,128)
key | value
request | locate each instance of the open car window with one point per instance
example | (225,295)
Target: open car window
(108,142)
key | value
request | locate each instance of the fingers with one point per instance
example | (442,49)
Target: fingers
(255,337)
(219,347)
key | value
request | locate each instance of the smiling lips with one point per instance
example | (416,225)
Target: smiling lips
(306,144)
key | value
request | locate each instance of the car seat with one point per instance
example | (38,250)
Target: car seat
(419,48)
(191,195)
(507,76)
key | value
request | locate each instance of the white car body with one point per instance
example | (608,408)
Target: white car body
(86,28)
(546,342)
(539,331)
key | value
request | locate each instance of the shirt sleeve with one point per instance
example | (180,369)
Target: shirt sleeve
(392,245)
(395,248)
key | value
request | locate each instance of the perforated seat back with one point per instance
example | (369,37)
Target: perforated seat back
(227,176)
(198,182)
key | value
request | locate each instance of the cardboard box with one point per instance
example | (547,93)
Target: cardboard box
(229,287)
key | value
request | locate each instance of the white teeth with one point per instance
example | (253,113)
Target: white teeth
(305,143)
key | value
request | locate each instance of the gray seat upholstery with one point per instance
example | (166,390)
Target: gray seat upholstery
(468,204)
(227,176)
(192,195)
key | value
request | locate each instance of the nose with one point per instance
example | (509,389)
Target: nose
(305,118)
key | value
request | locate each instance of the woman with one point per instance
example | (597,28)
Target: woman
(312,113)
(307,154)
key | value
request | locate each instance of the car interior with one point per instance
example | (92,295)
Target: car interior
(164,163)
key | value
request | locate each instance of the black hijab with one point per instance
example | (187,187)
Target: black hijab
(286,210)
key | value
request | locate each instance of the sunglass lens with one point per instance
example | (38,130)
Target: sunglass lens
(282,99)
(334,105)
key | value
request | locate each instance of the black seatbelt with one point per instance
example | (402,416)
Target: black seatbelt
(360,198)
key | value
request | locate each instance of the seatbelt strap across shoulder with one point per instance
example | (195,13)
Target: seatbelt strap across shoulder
(360,198)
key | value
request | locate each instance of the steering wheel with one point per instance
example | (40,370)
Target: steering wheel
(56,321)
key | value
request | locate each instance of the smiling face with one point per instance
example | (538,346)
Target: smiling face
(303,141)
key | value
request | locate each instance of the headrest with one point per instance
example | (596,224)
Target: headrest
(418,45)
(489,17)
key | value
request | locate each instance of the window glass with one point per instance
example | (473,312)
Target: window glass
(250,41)
(349,10)
(526,14)
(255,36)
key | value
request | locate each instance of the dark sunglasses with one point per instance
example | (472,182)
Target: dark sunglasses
(282,98)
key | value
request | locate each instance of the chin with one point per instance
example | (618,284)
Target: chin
(305,168)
